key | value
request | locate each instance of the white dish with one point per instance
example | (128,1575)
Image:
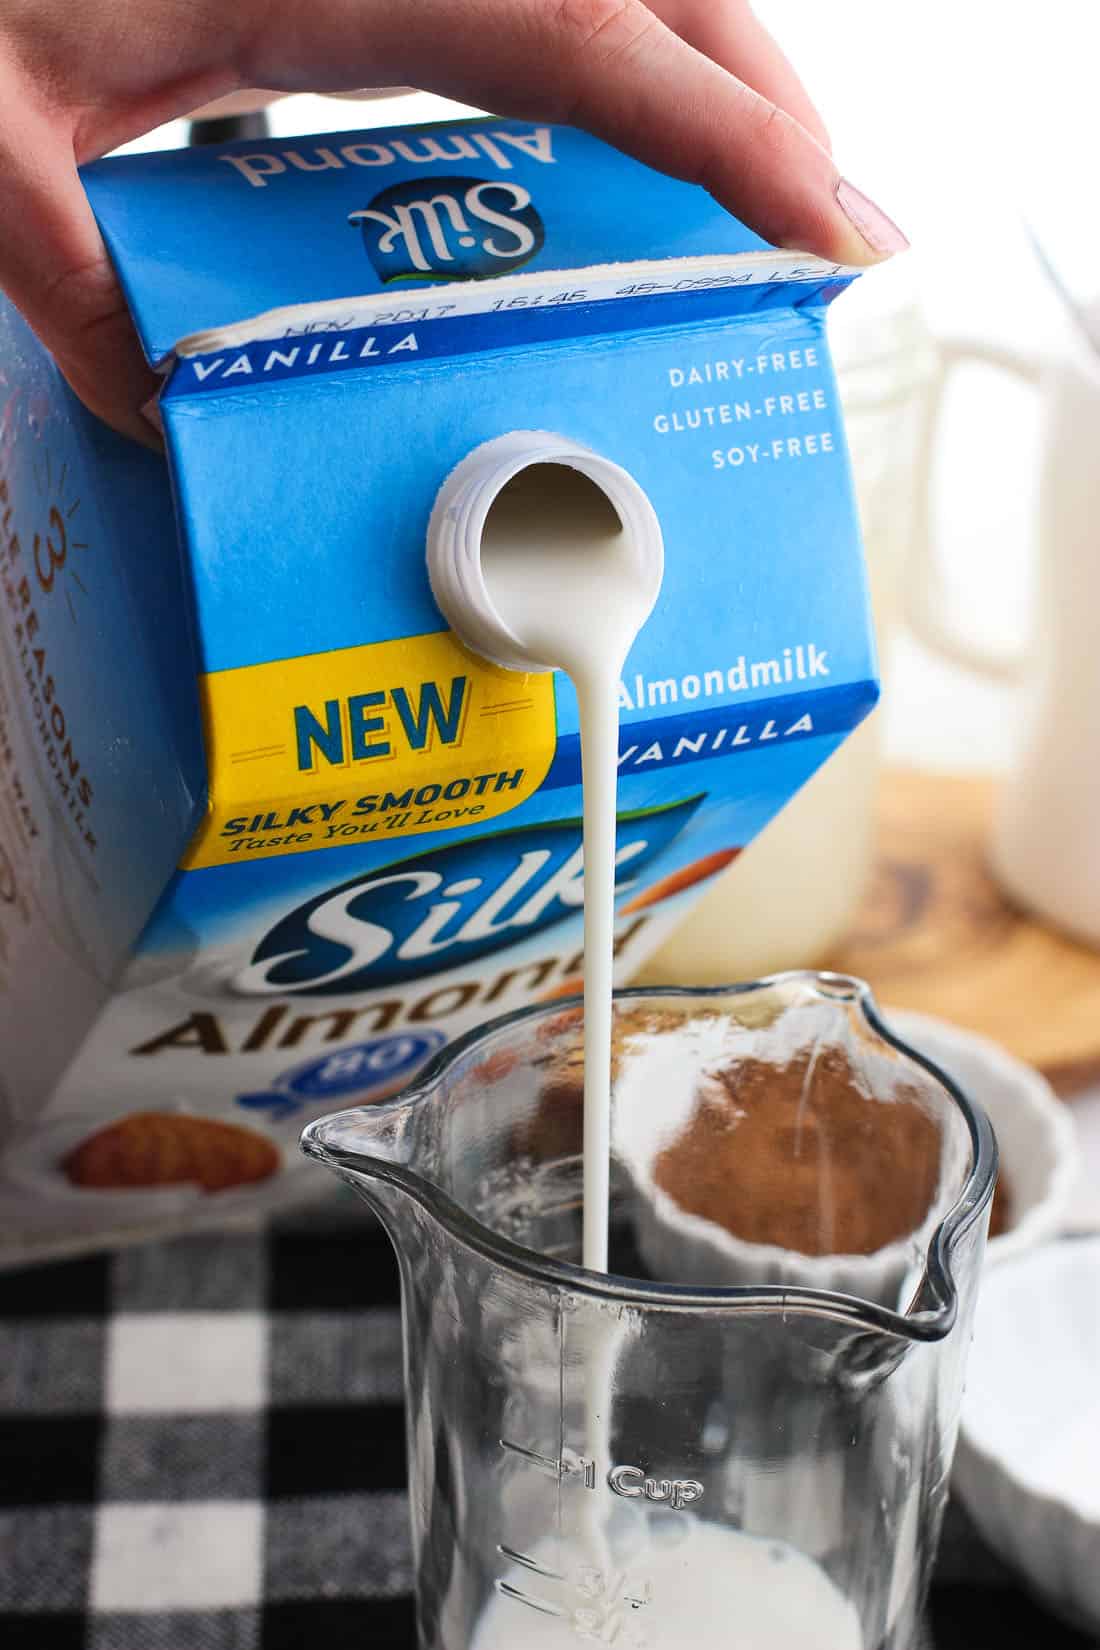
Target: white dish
(1028,1463)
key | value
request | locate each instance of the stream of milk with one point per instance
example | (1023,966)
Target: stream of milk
(560,572)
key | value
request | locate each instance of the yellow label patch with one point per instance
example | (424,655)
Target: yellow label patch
(363,743)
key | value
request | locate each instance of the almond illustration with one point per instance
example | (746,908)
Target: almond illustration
(569,987)
(686,877)
(151,1148)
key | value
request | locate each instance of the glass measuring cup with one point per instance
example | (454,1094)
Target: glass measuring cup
(742,1436)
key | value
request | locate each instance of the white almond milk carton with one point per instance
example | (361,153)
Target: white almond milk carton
(269,835)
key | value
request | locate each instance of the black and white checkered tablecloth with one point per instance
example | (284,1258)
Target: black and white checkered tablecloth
(202,1448)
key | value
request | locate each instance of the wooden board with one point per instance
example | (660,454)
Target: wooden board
(935,933)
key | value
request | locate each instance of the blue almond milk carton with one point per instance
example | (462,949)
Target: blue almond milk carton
(269,835)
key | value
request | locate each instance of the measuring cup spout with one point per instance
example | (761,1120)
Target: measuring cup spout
(384,1151)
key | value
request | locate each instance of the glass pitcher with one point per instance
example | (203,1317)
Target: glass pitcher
(742,1436)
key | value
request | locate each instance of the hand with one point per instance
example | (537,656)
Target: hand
(696,88)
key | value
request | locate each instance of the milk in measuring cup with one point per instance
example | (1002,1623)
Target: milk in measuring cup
(269,834)
(676,1595)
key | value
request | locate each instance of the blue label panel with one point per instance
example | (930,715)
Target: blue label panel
(207,236)
(678,741)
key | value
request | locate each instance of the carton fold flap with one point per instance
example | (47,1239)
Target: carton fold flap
(372,223)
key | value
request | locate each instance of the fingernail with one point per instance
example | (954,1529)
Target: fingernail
(880,232)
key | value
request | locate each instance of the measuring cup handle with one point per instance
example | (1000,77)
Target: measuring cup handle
(926,602)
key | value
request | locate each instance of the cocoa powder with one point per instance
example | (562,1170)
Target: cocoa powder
(782,1154)
(800,1156)
(556,1129)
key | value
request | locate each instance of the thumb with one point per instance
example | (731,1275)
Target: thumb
(57,272)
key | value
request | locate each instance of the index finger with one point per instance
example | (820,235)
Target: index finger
(730,33)
(57,271)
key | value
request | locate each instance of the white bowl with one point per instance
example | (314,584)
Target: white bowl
(1028,1463)
(1039,1160)
(1036,1135)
